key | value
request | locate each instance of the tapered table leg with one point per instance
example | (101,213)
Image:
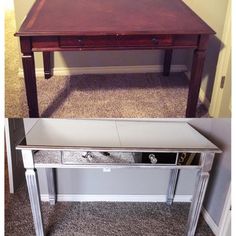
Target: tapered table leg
(167,62)
(196,205)
(195,82)
(32,184)
(29,76)
(30,84)
(174,173)
(51,185)
(199,193)
(47,65)
(196,76)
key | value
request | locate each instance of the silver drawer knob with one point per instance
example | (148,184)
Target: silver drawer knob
(152,158)
(87,155)
(79,40)
(154,40)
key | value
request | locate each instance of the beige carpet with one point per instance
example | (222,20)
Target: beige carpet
(91,96)
(99,218)
(12,83)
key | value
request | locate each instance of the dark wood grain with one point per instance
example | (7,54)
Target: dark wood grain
(196,76)
(167,62)
(136,42)
(30,77)
(111,17)
(47,65)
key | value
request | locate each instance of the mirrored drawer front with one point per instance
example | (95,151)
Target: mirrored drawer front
(115,41)
(129,158)
(74,157)
(165,158)
(47,157)
(169,158)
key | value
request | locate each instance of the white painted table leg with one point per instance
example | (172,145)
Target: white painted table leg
(51,186)
(174,173)
(32,184)
(196,204)
(33,189)
(199,193)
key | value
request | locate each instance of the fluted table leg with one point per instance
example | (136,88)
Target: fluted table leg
(174,173)
(51,186)
(199,193)
(32,184)
(33,189)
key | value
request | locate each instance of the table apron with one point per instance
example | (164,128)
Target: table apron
(90,166)
(87,43)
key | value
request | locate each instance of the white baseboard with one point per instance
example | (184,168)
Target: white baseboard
(115,198)
(64,71)
(214,227)
(131,198)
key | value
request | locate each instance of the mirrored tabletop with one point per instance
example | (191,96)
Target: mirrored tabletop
(116,135)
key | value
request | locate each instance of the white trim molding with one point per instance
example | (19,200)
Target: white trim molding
(115,198)
(224,63)
(226,215)
(214,227)
(131,198)
(9,155)
(224,220)
(64,71)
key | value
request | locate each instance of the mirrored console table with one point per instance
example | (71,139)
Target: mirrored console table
(58,143)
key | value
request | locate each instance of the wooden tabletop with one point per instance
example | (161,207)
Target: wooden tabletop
(111,17)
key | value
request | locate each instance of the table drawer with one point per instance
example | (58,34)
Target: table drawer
(125,158)
(160,158)
(157,158)
(78,158)
(151,41)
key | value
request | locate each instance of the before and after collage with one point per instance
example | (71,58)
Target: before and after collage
(117,118)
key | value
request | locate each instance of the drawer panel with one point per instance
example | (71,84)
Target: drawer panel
(168,158)
(75,157)
(44,43)
(185,41)
(160,158)
(126,158)
(151,41)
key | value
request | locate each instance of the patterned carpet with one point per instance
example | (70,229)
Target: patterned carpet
(99,218)
(95,96)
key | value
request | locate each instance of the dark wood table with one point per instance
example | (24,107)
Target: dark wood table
(75,25)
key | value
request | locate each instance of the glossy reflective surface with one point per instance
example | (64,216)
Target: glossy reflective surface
(111,17)
(115,135)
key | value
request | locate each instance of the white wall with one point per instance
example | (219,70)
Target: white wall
(213,12)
